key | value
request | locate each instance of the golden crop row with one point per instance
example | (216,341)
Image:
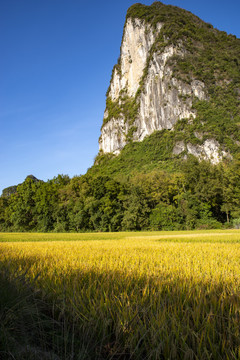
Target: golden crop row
(170,295)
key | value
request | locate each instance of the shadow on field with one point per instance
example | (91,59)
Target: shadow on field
(116,315)
(33,327)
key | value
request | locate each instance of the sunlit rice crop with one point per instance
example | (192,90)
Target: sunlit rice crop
(148,295)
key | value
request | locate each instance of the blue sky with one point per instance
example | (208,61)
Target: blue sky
(55,67)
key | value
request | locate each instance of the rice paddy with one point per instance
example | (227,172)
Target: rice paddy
(153,295)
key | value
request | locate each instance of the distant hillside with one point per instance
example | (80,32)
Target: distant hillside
(13,189)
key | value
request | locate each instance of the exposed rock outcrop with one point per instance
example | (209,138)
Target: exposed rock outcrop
(162,99)
(209,150)
(146,94)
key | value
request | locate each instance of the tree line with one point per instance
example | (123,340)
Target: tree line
(198,195)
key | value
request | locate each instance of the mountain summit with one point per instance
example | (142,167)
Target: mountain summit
(176,73)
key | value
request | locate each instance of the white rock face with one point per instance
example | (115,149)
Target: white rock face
(209,150)
(112,139)
(163,99)
(137,41)
(179,148)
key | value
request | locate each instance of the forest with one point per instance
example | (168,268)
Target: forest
(198,195)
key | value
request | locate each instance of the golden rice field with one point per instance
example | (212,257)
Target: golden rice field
(146,295)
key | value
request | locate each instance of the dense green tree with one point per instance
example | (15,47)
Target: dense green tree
(205,181)
(197,195)
(165,217)
(136,210)
(4,223)
(48,210)
(231,190)
(22,206)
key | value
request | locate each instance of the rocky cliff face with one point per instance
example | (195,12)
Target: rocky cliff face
(162,100)
(145,95)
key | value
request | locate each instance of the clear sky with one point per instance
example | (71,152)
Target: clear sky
(55,67)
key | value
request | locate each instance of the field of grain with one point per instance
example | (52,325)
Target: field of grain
(153,295)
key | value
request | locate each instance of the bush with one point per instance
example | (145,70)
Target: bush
(210,223)
(164,217)
(236,223)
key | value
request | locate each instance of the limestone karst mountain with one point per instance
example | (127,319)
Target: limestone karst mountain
(175,73)
(174,98)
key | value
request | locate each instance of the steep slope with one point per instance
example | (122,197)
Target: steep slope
(178,73)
